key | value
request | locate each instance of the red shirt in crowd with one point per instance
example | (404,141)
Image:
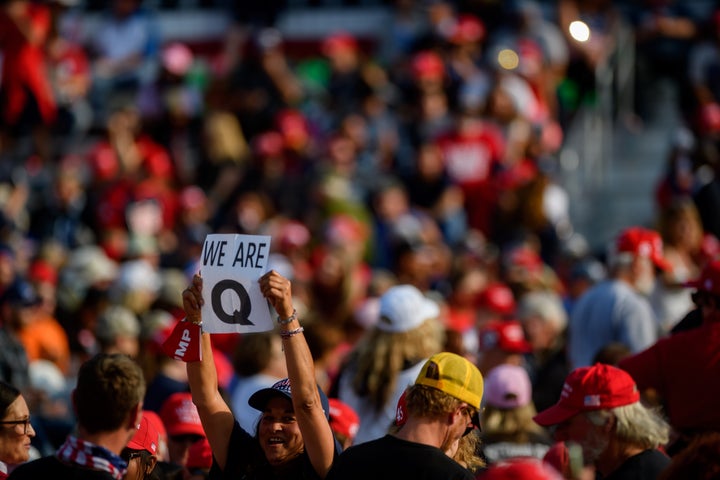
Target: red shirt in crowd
(683,369)
(24,64)
(471,155)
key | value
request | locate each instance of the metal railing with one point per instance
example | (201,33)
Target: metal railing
(589,155)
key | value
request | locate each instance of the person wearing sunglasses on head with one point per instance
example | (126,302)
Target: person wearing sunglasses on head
(16,432)
(442,406)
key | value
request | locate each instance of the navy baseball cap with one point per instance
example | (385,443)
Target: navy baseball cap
(281,388)
(22,294)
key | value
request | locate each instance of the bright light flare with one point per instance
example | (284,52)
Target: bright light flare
(579,31)
(508,59)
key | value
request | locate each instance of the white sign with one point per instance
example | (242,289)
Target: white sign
(231,265)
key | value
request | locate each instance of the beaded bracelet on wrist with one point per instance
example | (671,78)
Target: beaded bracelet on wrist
(288,320)
(291,333)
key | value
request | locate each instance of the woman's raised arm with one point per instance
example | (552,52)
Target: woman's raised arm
(216,417)
(311,418)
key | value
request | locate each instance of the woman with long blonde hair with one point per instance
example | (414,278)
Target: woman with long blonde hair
(389,358)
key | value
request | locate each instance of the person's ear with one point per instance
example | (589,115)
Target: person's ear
(609,425)
(452,416)
(135,416)
(459,412)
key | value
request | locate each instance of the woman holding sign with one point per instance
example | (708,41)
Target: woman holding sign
(293,438)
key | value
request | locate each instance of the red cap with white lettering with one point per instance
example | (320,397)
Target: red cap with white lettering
(184,342)
(180,416)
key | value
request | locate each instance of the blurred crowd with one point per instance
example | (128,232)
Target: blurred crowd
(427,156)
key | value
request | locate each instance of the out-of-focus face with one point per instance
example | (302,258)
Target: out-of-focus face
(179,447)
(7,269)
(15,438)
(279,433)
(134,470)
(462,423)
(539,333)
(580,430)
(644,273)
(140,463)
(128,344)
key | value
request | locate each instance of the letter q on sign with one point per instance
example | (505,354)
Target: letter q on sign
(241,316)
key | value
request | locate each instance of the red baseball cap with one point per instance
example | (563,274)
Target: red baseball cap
(146,438)
(343,228)
(590,388)
(643,242)
(709,279)
(507,335)
(199,455)
(180,416)
(268,144)
(709,117)
(293,126)
(467,29)
(497,297)
(293,234)
(41,271)
(428,64)
(339,42)
(520,468)
(157,424)
(343,419)
(526,258)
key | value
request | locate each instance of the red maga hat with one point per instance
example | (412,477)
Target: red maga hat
(199,455)
(180,416)
(146,437)
(520,468)
(590,388)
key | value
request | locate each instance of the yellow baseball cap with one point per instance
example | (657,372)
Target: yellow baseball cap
(454,375)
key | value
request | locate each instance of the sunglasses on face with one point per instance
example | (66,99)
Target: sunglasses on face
(474,419)
(25,423)
(128,454)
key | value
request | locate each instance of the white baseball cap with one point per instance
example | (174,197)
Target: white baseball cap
(404,307)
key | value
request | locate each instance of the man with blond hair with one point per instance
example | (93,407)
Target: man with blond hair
(442,406)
